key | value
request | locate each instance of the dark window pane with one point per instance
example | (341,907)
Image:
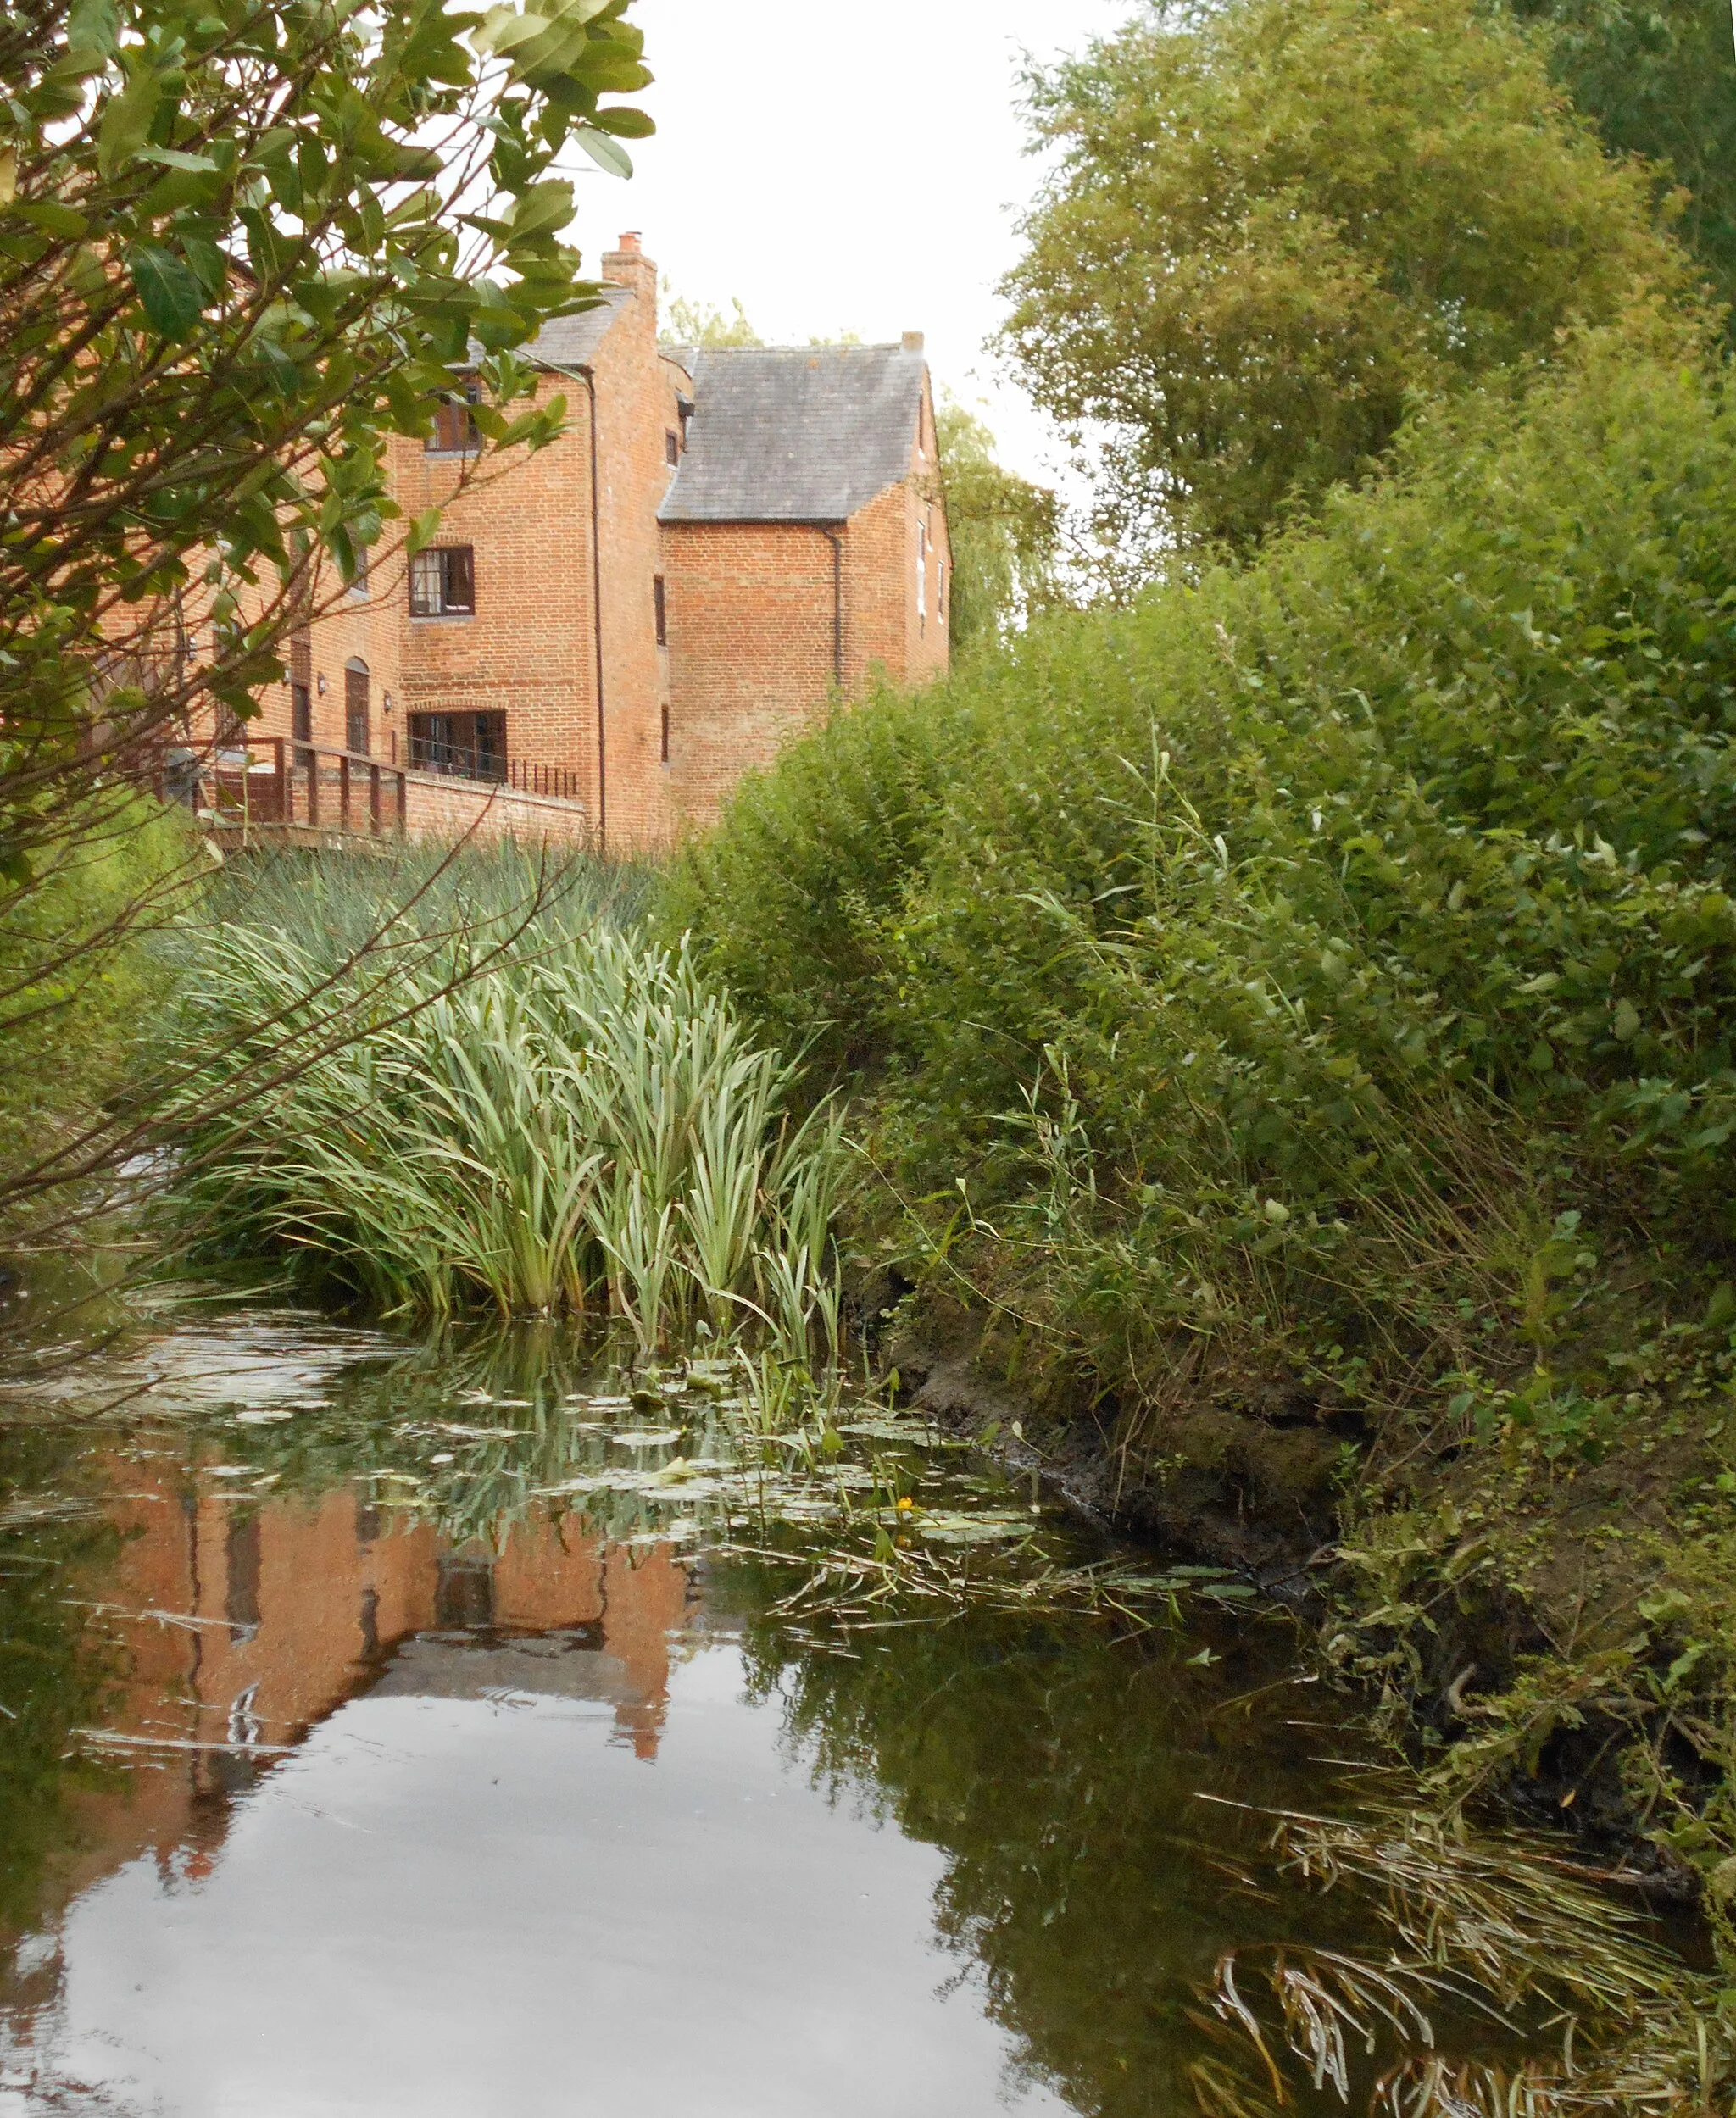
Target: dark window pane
(241,1587)
(659,603)
(455,431)
(463,1594)
(672,447)
(458,588)
(301,712)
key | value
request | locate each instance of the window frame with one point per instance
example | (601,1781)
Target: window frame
(439,561)
(469,437)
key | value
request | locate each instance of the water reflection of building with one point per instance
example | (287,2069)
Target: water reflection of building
(248,1619)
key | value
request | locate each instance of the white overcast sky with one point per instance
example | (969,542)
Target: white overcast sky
(845,168)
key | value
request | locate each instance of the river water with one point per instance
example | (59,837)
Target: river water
(373,1742)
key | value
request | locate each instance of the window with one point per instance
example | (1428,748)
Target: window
(467,746)
(666,734)
(922,575)
(940,589)
(359,586)
(659,603)
(300,684)
(672,446)
(355,707)
(444,582)
(455,430)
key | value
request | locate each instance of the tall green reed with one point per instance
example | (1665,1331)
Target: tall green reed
(578,1125)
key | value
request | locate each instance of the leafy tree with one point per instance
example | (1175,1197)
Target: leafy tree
(1005,533)
(1271,226)
(240,244)
(687,323)
(1659,77)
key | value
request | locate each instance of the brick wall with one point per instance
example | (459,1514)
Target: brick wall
(361,627)
(436,807)
(750,649)
(749,606)
(526,651)
(752,609)
(636,389)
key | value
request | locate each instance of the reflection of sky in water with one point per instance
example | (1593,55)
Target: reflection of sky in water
(459,1907)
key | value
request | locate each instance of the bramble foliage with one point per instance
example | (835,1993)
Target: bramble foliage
(1273,224)
(1294,1018)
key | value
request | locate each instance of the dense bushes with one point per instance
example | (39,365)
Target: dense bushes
(1284,964)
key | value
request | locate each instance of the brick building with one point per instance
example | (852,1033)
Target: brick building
(720,542)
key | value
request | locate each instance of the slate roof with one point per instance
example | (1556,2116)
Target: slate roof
(788,434)
(570,342)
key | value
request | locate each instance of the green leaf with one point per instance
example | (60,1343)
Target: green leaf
(125,122)
(168,290)
(177,158)
(603,152)
(548,205)
(422,531)
(93,25)
(51,217)
(625,123)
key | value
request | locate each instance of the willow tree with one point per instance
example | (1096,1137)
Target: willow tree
(1658,78)
(1003,529)
(1272,224)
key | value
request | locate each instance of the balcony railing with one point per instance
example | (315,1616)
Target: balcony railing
(559,782)
(274,784)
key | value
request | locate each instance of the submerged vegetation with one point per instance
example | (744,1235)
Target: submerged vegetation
(505,1098)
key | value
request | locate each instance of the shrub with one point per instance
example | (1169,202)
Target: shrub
(1309,969)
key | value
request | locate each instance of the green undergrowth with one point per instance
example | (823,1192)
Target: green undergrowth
(1290,1023)
(78,969)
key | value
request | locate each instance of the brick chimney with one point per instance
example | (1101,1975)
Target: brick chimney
(627,265)
(912,341)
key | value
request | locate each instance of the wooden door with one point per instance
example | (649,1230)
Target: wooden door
(355,711)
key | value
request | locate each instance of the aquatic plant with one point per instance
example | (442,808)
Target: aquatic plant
(579,1123)
(1500,1929)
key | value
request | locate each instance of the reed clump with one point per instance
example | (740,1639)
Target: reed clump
(496,1097)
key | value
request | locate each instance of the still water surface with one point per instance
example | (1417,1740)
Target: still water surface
(423,1787)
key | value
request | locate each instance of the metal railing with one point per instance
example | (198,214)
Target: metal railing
(560,782)
(273,783)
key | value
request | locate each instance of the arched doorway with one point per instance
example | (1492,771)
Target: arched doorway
(356,731)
